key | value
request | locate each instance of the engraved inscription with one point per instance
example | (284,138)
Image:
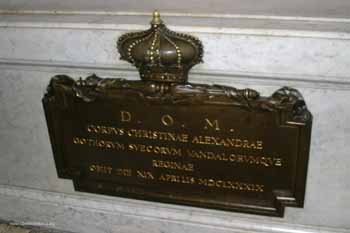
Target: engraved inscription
(180,162)
(209,182)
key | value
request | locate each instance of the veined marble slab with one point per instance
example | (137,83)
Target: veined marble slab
(307,50)
(310,8)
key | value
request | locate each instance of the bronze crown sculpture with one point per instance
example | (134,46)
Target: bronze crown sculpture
(159,53)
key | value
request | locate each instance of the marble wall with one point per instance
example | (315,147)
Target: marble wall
(31,52)
(310,8)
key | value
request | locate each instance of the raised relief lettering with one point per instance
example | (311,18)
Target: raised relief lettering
(101,129)
(182,179)
(167,120)
(115,145)
(125,116)
(155,149)
(211,124)
(123,172)
(230,184)
(173,165)
(101,169)
(145,175)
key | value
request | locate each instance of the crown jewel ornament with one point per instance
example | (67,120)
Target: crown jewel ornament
(161,54)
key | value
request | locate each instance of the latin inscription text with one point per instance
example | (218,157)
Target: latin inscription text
(179,163)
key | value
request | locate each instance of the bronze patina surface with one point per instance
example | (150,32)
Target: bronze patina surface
(165,139)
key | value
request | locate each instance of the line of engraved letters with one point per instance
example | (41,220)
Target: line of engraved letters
(209,182)
(174,152)
(177,137)
(168,120)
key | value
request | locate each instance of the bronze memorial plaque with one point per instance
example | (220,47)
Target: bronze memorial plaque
(165,139)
